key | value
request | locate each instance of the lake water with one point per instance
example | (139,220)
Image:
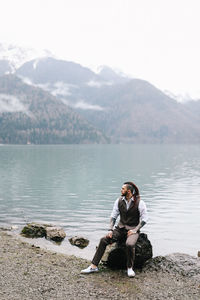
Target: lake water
(75,186)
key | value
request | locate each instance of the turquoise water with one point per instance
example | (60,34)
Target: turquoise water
(75,186)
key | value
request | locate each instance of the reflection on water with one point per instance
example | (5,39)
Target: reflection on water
(75,186)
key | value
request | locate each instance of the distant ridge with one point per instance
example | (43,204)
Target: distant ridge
(137,112)
(124,109)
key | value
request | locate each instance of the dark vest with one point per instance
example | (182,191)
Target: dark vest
(131,217)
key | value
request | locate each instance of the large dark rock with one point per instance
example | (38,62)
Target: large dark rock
(176,263)
(35,230)
(115,254)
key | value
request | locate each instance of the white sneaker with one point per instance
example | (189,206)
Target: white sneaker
(130,272)
(89,270)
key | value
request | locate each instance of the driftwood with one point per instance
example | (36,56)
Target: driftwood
(115,254)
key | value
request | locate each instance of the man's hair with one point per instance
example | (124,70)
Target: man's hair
(132,187)
(129,187)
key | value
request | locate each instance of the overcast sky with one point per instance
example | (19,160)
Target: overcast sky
(155,40)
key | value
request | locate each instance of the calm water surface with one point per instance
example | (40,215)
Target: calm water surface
(75,186)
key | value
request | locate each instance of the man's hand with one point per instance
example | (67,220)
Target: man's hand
(132,231)
(109,234)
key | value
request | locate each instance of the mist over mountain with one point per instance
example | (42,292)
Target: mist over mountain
(193,107)
(139,112)
(69,81)
(30,115)
(124,109)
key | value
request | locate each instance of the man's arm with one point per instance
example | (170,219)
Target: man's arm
(137,228)
(113,218)
(114,214)
(112,223)
(110,230)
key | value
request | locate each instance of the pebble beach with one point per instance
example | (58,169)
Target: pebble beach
(28,272)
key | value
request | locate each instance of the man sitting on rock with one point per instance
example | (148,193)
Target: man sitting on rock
(133,216)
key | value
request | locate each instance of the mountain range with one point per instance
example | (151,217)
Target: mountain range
(31,115)
(64,102)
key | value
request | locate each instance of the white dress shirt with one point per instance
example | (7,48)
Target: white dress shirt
(141,207)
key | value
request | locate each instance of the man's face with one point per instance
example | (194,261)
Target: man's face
(124,190)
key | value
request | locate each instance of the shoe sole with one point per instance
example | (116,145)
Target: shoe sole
(90,272)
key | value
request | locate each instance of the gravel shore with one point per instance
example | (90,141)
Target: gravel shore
(29,272)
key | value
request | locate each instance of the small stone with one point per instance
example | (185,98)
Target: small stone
(56,234)
(14,227)
(79,241)
(5,228)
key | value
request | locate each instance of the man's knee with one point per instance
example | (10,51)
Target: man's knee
(104,240)
(132,240)
(130,244)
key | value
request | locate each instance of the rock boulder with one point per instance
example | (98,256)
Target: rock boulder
(175,263)
(115,254)
(36,230)
(79,241)
(54,233)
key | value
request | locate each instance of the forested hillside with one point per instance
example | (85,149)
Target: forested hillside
(30,115)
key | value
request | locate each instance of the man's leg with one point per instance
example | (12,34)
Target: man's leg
(130,249)
(117,235)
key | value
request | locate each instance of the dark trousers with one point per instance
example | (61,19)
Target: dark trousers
(119,235)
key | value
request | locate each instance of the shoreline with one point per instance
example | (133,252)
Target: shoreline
(66,248)
(30,272)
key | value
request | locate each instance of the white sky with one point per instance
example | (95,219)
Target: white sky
(155,40)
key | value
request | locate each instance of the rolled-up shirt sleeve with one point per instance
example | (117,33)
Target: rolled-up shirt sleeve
(115,211)
(143,211)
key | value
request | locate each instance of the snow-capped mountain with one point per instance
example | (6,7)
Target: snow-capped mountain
(17,56)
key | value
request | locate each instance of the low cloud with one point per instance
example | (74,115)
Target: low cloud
(10,103)
(85,106)
(26,80)
(98,84)
(82,105)
(57,89)
(66,102)
(62,89)
(43,86)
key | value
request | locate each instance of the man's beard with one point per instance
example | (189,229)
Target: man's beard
(125,194)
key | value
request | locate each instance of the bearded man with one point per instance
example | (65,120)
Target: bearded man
(133,216)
